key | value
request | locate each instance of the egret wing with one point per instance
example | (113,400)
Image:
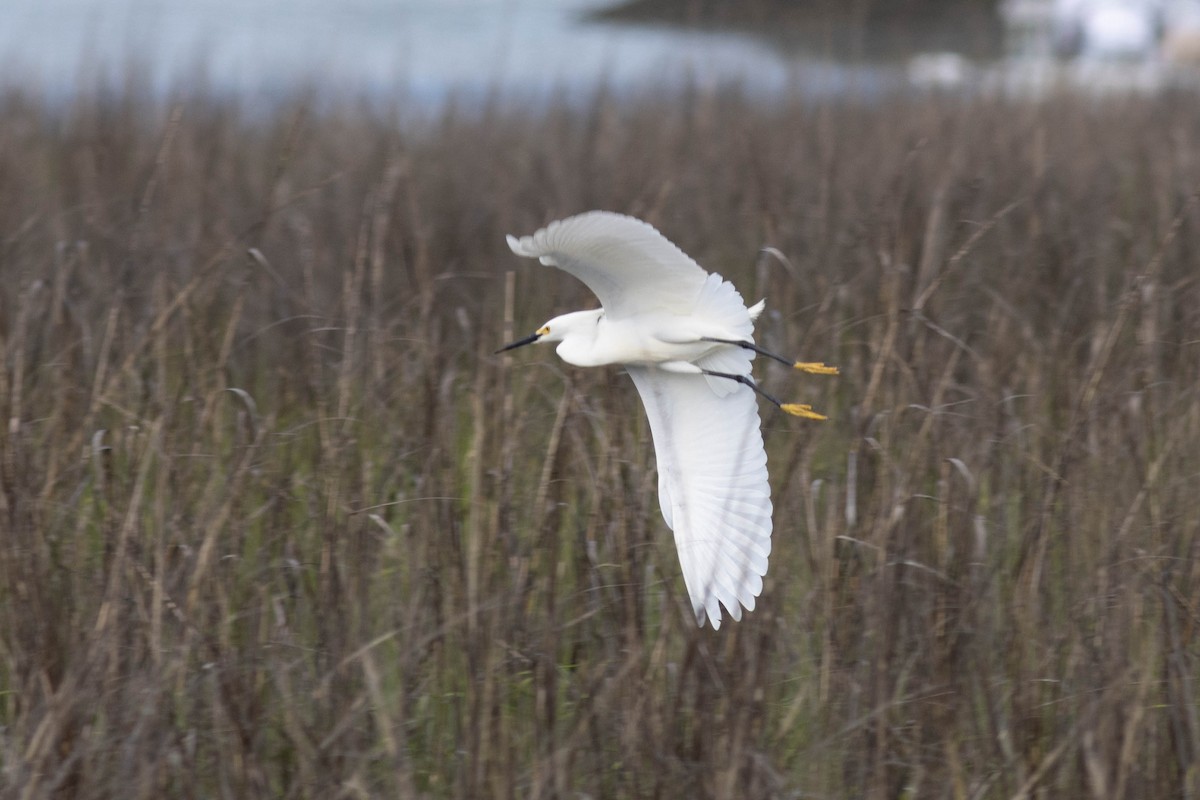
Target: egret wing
(712,486)
(627,263)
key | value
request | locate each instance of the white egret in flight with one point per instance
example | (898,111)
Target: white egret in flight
(686,339)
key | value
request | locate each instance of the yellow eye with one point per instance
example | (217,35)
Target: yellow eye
(542,331)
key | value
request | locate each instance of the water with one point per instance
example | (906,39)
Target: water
(422,52)
(422,49)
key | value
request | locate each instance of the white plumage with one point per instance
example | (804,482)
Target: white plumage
(712,487)
(686,338)
(627,264)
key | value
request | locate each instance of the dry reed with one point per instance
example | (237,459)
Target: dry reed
(277,523)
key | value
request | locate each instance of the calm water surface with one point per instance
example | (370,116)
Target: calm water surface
(420,49)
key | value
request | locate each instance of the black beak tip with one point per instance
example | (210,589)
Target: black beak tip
(530,339)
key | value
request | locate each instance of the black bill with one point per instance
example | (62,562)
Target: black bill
(530,339)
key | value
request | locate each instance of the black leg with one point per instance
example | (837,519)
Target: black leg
(751,346)
(814,367)
(795,409)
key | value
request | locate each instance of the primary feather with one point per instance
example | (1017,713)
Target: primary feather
(628,265)
(712,486)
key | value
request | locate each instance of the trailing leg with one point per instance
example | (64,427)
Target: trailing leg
(813,367)
(795,409)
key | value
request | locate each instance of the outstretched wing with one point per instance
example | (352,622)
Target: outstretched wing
(712,486)
(628,264)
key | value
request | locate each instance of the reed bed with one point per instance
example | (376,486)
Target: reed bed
(277,523)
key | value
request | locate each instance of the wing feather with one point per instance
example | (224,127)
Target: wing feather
(627,263)
(713,487)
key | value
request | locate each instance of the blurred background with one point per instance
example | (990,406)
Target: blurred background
(275,520)
(425,51)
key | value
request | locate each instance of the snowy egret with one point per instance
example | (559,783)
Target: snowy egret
(686,339)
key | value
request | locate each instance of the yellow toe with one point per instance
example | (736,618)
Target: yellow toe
(802,410)
(815,368)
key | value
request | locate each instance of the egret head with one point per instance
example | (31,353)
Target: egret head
(559,328)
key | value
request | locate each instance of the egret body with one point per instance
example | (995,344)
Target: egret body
(686,338)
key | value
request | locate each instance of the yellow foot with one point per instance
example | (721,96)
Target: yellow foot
(800,410)
(815,367)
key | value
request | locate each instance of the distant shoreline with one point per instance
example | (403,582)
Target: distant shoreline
(856,31)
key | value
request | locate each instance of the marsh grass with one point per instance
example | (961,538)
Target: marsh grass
(278,524)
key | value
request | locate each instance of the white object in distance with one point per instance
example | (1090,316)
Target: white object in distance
(686,338)
(1108,30)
